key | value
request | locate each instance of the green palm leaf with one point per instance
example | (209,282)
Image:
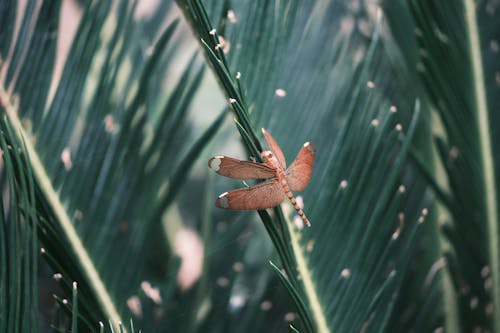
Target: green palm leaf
(92,145)
(99,174)
(351,217)
(454,67)
(19,250)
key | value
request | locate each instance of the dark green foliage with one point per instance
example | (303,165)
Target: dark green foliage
(18,238)
(104,131)
(448,49)
(104,168)
(342,215)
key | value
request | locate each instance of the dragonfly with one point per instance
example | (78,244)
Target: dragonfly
(279,182)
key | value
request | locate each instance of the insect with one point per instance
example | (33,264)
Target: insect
(280,181)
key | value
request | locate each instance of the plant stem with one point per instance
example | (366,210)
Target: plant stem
(310,288)
(486,156)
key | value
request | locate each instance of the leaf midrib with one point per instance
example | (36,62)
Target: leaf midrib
(486,153)
(310,288)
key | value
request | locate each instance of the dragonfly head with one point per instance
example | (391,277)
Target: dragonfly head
(268,157)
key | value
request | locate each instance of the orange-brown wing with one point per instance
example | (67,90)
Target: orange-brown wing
(258,197)
(275,148)
(237,169)
(299,173)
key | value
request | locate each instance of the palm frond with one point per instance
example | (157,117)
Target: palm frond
(91,146)
(96,158)
(453,65)
(18,237)
(349,217)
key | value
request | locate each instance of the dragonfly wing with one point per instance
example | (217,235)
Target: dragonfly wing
(299,172)
(261,196)
(237,169)
(275,148)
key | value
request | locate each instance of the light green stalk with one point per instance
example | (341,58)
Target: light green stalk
(486,156)
(310,287)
